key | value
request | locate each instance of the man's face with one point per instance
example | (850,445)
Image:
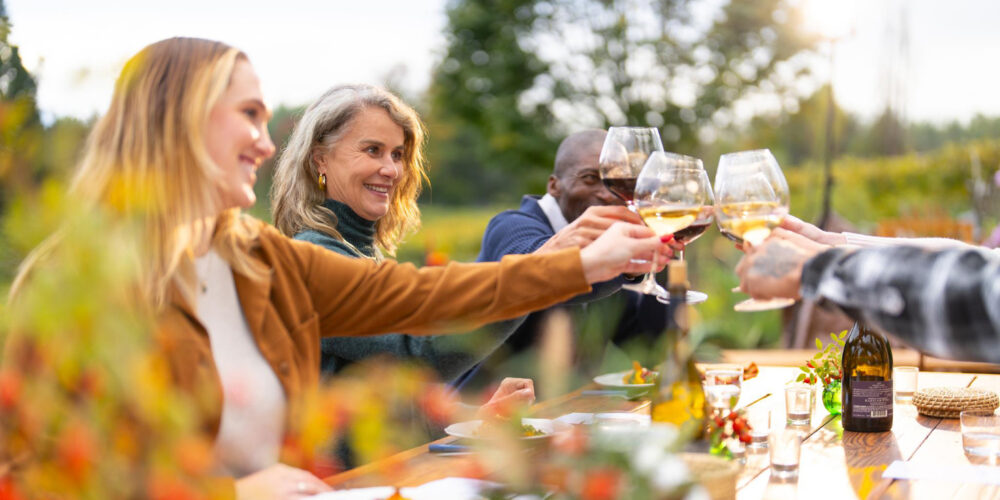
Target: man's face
(580,186)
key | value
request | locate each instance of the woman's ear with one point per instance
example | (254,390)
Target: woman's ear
(318,158)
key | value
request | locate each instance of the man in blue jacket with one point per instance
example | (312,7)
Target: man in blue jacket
(576,209)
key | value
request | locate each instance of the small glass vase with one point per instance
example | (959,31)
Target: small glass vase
(831,397)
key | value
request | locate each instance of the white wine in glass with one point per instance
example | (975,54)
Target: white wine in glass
(623,154)
(751,200)
(669,198)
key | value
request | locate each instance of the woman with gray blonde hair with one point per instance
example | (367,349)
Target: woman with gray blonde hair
(348,181)
(359,148)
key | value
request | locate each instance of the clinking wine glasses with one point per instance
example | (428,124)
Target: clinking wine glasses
(670,195)
(751,200)
(623,155)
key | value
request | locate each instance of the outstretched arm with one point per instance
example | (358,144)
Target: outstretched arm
(946,302)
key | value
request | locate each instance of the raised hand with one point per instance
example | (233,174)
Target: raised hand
(774,268)
(588,227)
(620,250)
(513,394)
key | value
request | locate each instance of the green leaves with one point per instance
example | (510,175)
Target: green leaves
(828,369)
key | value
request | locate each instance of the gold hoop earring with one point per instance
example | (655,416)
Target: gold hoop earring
(322,182)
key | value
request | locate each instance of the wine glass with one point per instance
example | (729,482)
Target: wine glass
(623,155)
(669,198)
(751,200)
(702,221)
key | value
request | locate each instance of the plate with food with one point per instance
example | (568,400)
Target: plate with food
(637,377)
(528,429)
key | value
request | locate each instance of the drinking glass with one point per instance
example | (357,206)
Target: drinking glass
(981,436)
(904,381)
(799,403)
(623,156)
(669,198)
(785,447)
(751,200)
(722,386)
(759,418)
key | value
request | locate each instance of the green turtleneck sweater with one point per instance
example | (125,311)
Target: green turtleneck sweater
(449,355)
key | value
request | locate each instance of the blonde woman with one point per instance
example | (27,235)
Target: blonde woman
(235,301)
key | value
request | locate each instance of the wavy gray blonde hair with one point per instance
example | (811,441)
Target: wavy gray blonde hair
(296,198)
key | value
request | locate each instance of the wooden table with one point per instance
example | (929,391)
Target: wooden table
(831,466)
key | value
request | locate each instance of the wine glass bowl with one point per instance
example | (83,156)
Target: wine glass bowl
(623,156)
(751,200)
(669,196)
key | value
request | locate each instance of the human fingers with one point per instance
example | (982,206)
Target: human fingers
(616,212)
(306,484)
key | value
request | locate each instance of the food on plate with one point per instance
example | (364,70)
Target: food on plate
(497,426)
(639,375)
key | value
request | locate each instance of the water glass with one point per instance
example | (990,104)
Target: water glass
(981,436)
(785,446)
(723,386)
(904,381)
(799,402)
(759,418)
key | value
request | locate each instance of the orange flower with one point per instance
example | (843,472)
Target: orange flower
(76,450)
(10,389)
(8,491)
(437,403)
(602,484)
(436,258)
(572,443)
(163,487)
(193,455)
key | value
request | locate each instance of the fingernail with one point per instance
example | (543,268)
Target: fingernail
(667,238)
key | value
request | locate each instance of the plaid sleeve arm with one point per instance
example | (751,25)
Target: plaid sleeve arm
(945,303)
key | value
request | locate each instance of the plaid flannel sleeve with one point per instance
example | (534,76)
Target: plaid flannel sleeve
(945,303)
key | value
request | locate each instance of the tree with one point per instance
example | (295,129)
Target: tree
(482,140)
(518,75)
(20,125)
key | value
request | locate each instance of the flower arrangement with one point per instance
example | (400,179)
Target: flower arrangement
(725,429)
(824,368)
(825,365)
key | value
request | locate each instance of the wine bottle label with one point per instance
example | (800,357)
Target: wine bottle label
(871,398)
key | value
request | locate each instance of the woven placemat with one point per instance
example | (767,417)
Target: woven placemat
(948,402)
(717,475)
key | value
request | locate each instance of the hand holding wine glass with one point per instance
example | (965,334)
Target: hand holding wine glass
(751,200)
(669,198)
(623,156)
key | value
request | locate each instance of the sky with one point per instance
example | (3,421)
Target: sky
(302,47)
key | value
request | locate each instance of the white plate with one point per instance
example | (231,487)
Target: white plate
(693,297)
(615,380)
(470,429)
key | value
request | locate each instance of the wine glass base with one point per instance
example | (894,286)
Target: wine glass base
(754,305)
(693,297)
(645,288)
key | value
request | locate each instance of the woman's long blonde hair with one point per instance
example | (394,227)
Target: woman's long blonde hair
(146,161)
(296,198)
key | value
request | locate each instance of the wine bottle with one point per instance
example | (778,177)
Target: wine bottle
(866,393)
(678,397)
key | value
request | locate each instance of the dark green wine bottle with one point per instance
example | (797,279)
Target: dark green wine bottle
(866,392)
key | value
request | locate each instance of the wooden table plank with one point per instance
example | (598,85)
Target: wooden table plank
(944,445)
(839,464)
